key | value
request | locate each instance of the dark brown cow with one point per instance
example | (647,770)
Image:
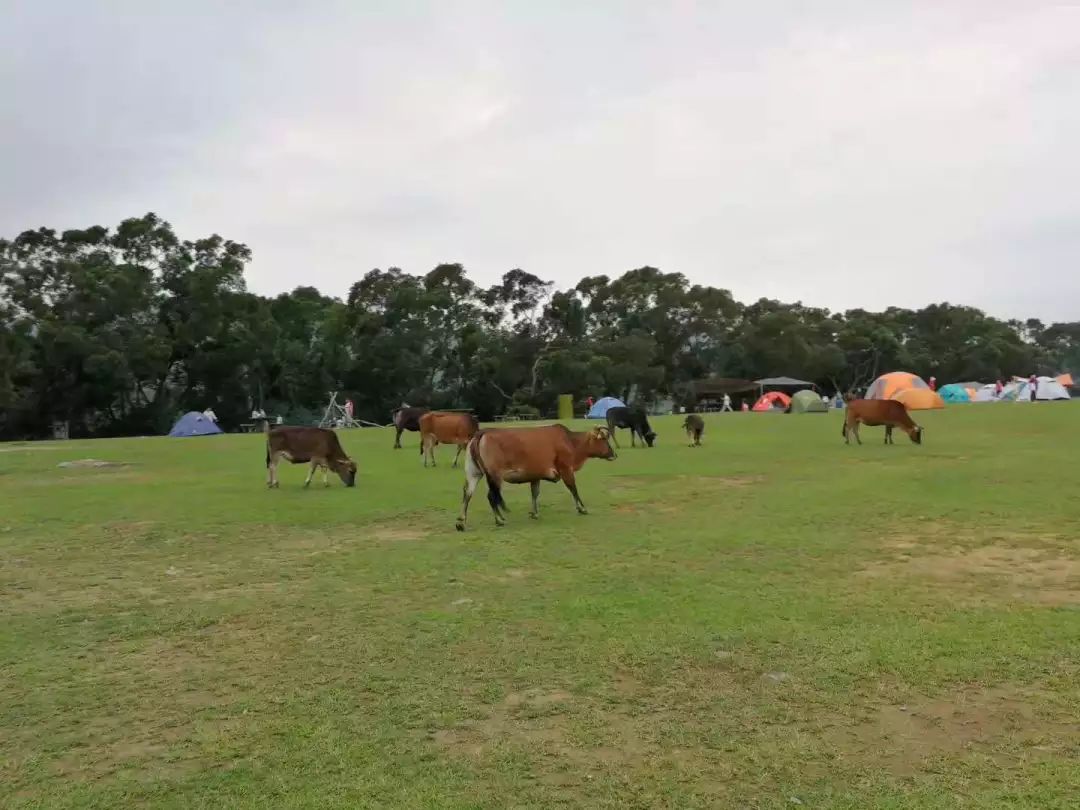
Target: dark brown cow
(529,455)
(876,412)
(438,427)
(694,426)
(406,418)
(307,444)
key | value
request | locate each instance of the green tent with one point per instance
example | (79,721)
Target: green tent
(808,402)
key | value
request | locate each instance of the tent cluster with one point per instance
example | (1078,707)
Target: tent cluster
(917,395)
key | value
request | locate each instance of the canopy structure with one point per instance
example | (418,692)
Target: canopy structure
(919,399)
(194,423)
(955,393)
(600,407)
(783,382)
(808,402)
(887,386)
(716,387)
(773,400)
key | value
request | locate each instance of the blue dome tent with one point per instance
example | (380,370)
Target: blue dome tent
(194,423)
(600,407)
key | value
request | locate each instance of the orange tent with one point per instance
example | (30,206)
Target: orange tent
(772,400)
(887,386)
(920,399)
(1065,379)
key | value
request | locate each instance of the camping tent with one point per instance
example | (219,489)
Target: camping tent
(1050,388)
(194,423)
(955,393)
(773,399)
(600,407)
(888,385)
(986,393)
(1019,390)
(808,402)
(919,399)
(1065,379)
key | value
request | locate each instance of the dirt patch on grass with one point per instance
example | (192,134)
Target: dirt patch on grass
(397,534)
(1041,576)
(545,723)
(1004,724)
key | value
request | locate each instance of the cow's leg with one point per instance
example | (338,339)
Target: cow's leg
(567,475)
(888,434)
(855,429)
(311,472)
(614,438)
(472,478)
(325,473)
(495,498)
(397,440)
(633,436)
(534,486)
(457,455)
(271,471)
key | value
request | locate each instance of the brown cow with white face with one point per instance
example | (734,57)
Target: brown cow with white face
(529,455)
(301,445)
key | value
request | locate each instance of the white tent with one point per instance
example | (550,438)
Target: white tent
(985,393)
(1048,389)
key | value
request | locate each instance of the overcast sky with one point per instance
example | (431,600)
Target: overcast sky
(842,154)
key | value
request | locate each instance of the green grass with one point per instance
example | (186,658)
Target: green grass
(774,615)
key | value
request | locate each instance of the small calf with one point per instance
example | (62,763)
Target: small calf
(301,445)
(876,412)
(694,426)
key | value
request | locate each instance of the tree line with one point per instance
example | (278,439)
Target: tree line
(118,331)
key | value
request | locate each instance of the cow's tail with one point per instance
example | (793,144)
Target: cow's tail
(495,497)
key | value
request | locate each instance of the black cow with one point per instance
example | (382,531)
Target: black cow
(633,418)
(406,418)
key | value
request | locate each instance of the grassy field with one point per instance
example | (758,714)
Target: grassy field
(772,620)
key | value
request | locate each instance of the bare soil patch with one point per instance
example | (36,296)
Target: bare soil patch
(1005,724)
(397,534)
(1042,576)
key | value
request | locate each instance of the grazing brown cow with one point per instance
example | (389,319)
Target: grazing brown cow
(876,412)
(445,428)
(694,427)
(307,444)
(529,455)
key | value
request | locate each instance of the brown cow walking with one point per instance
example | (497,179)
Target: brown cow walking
(445,428)
(876,412)
(300,445)
(529,455)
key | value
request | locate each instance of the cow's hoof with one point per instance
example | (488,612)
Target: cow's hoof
(582,512)
(534,516)
(460,525)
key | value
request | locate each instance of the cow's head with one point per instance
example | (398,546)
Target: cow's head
(598,444)
(649,436)
(916,434)
(346,470)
